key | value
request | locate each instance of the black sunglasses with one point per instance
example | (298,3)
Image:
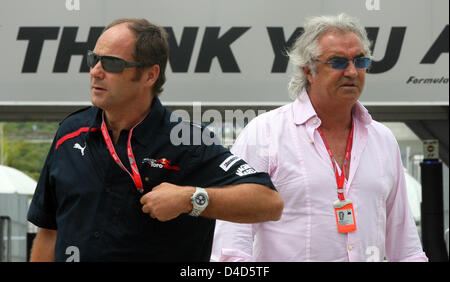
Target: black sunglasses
(110,63)
(339,63)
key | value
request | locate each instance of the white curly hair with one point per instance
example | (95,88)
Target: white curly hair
(305,49)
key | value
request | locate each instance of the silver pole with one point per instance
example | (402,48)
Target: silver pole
(8,253)
(1,144)
(2,244)
(5,221)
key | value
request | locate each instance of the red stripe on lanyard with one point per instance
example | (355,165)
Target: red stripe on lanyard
(340,179)
(135,176)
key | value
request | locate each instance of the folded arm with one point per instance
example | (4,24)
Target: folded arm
(243,203)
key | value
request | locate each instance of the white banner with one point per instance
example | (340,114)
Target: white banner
(224,52)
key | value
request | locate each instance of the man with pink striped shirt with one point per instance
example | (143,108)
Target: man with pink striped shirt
(339,172)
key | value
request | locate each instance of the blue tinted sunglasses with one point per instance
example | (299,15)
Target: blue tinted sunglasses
(339,63)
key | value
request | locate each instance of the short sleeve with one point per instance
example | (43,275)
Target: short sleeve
(217,166)
(42,211)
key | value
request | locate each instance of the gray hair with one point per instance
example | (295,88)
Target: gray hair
(305,49)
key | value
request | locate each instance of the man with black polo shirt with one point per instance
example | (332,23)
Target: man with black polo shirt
(115,188)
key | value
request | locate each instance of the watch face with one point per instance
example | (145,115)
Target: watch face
(200,199)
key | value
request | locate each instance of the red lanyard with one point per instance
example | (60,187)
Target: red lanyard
(340,179)
(136,177)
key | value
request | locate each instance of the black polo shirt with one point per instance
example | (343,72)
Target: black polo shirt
(94,205)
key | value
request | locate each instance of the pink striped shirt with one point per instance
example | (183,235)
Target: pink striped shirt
(286,144)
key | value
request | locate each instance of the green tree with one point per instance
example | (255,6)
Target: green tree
(27,157)
(26,144)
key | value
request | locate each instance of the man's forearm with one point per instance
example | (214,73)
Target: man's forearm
(244,203)
(43,249)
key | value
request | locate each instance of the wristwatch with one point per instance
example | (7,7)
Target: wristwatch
(199,201)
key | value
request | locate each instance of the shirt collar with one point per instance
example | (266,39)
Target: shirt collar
(303,110)
(360,113)
(150,123)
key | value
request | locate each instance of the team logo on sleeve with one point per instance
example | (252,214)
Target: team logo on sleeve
(245,169)
(160,163)
(229,162)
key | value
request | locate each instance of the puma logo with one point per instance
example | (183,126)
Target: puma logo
(78,146)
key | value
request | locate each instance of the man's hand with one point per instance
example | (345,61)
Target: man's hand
(167,201)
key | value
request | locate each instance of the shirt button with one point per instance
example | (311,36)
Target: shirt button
(315,121)
(97,234)
(350,247)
